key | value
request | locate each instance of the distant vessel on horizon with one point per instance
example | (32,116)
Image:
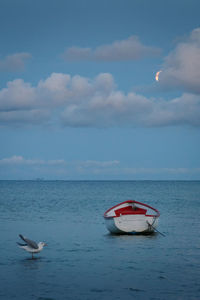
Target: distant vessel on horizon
(39,179)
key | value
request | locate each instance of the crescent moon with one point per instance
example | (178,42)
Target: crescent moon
(157,75)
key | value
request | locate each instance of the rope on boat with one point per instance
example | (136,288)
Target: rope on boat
(151,226)
(154,220)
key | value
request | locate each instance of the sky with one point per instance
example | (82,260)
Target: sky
(78,94)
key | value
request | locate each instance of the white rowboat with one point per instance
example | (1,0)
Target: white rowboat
(131,217)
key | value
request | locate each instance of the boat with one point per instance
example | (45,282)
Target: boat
(131,217)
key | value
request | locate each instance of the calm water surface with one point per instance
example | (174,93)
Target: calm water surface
(82,260)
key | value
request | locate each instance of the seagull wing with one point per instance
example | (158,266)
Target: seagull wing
(21,245)
(30,243)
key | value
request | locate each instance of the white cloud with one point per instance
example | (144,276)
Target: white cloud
(57,82)
(154,171)
(88,164)
(113,109)
(99,164)
(123,50)
(80,101)
(184,110)
(20,160)
(12,160)
(14,62)
(17,95)
(19,167)
(33,168)
(60,169)
(181,68)
(24,117)
(119,109)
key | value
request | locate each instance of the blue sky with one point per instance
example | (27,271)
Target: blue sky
(78,95)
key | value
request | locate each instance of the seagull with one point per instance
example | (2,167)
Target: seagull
(31,246)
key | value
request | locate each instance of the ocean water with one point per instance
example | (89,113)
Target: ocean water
(82,260)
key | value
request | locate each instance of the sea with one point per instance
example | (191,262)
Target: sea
(83,261)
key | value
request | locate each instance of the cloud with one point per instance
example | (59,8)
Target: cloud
(17,166)
(88,164)
(119,109)
(14,62)
(20,160)
(123,50)
(79,101)
(19,104)
(17,95)
(183,110)
(181,68)
(102,164)
(20,167)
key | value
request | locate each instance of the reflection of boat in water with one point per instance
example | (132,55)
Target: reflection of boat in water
(131,217)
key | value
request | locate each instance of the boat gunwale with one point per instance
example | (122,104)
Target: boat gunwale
(132,201)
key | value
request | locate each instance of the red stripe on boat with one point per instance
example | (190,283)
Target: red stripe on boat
(130,210)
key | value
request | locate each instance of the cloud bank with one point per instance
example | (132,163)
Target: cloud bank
(181,68)
(83,102)
(14,62)
(123,50)
(77,101)
(20,167)
(20,160)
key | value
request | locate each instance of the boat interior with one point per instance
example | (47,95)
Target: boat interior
(130,210)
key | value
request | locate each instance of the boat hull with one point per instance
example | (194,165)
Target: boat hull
(131,224)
